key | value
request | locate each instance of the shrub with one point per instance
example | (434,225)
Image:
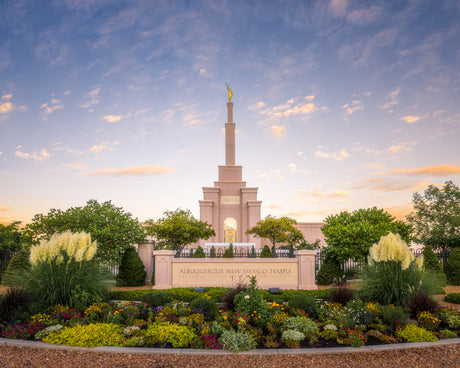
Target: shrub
(393,273)
(452,267)
(330,270)
(237,341)
(253,304)
(94,334)
(212,252)
(448,333)
(18,267)
(205,306)
(167,334)
(341,295)
(421,302)
(132,271)
(14,303)
(23,331)
(304,302)
(229,296)
(199,253)
(413,333)
(228,253)
(395,317)
(253,253)
(430,260)
(63,271)
(266,252)
(428,321)
(303,324)
(453,298)
(292,336)
(453,322)
(157,298)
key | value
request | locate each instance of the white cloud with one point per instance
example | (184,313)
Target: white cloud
(343,154)
(112,118)
(51,107)
(76,166)
(392,99)
(410,119)
(400,147)
(104,146)
(6,107)
(355,105)
(7,97)
(336,194)
(43,155)
(131,171)
(93,98)
(338,8)
(292,168)
(278,130)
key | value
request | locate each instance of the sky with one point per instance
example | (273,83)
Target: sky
(338,105)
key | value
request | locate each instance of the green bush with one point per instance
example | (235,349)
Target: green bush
(266,252)
(17,269)
(164,332)
(228,253)
(453,298)
(305,302)
(205,306)
(132,271)
(63,271)
(252,300)
(452,267)
(13,304)
(395,317)
(212,252)
(430,260)
(199,253)
(237,341)
(330,270)
(302,324)
(448,333)
(89,336)
(413,333)
(157,298)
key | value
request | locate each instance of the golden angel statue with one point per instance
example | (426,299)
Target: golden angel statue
(230,93)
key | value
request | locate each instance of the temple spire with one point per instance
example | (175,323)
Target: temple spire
(230,136)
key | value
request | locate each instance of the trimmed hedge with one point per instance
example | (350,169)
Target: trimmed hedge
(452,298)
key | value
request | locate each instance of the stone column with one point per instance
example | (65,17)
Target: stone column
(306,259)
(145,253)
(163,268)
(230,137)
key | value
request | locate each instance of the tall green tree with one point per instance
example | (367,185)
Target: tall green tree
(114,229)
(277,230)
(436,216)
(177,229)
(350,235)
(10,237)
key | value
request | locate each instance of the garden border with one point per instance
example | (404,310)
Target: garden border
(313,351)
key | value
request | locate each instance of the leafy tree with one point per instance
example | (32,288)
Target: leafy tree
(112,228)
(177,229)
(10,237)
(350,235)
(277,230)
(436,216)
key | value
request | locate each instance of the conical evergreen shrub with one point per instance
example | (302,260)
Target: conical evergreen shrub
(330,270)
(430,260)
(212,253)
(199,253)
(132,270)
(228,253)
(452,267)
(17,268)
(266,252)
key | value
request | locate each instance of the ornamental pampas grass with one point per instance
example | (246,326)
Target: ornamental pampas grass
(392,248)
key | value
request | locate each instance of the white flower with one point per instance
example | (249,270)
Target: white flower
(246,297)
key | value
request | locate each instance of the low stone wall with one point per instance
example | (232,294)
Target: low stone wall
(285,273)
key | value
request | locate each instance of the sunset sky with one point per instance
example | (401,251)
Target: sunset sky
(338,105)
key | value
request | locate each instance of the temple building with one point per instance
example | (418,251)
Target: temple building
(230,206)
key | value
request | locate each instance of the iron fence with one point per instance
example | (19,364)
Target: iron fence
(237,253)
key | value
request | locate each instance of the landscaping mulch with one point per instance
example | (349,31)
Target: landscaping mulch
(439,356)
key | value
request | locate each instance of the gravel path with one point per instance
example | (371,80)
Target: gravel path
(438,356)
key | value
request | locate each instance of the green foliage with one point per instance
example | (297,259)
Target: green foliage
(350,235)
(112,228)
(277,230)
(452,267)
(164,332)
(18,267)
(158,298)
(251,301)
(237,341)
(89,336)
(436,216)
(413,333)
(199,253)
(453,298)
(453,322)
(212,252)
(253,253)
(177,229)
(10,237)
(395,317)
(132,271)
(206,306)
(304,302)
(292,336)
(229,296)
(266,252)
(228,253)
(63,271)
(330,270)
(303,324)
(448,333)
(430,260)
(14,302)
